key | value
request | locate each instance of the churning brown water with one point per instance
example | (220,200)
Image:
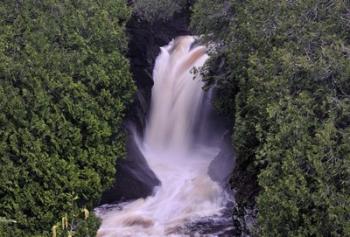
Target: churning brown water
(173,152)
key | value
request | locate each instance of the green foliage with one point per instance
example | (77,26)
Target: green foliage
(290,60)
(82,224)
(64,87)
(212,17)
(87,227)
(8,228)
(157,10)
(78,224)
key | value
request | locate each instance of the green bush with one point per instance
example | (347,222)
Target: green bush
(87,227)
(80,224)
(64,87)
(157,10)
(83,224)
(290,60)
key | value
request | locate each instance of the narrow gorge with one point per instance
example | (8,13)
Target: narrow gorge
(179,145)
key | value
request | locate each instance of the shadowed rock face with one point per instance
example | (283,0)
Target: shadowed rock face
(134,179)
(145,40)
(220,169)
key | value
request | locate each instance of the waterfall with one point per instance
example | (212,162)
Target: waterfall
(174,152)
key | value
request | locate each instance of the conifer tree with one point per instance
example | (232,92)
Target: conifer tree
(64,88)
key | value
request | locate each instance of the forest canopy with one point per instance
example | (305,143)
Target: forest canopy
(283,70)
(64,88)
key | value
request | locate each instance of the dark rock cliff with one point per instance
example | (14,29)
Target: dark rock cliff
(145,42)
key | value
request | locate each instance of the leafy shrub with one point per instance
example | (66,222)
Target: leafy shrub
(87,227)
(64,87)
(83,224)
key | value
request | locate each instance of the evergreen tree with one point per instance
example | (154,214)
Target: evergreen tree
(286,69)
(64,88)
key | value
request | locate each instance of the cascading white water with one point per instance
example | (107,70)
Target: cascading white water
(173,152)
